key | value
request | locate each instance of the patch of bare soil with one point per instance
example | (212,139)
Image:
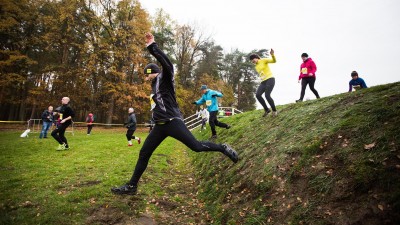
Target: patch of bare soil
(111,215)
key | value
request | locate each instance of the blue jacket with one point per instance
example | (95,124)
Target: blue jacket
(211,102)
(357,82)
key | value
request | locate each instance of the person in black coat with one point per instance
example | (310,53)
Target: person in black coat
(131,125)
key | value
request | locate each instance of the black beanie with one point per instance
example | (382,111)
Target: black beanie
(151,68)
(254,56)
(304,55)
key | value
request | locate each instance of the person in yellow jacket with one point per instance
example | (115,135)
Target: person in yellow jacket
(267,81)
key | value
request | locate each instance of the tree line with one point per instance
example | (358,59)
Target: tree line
(93,52)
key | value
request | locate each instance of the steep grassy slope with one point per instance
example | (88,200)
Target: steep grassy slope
(329,161)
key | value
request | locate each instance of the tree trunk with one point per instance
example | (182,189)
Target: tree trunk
(110,112)
(11,112)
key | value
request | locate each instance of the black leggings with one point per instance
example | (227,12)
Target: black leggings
(59,132)
(89,128)
(311,82)
(214,122)
(129,134)
(266,87)
(176,129)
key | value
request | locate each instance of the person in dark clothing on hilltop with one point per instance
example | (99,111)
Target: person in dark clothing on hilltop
(307,76)
(167,117)
(131,125)
(210,98)
(47,119)
(65,115)
(356,82)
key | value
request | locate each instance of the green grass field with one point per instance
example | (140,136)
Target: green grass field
(40,185)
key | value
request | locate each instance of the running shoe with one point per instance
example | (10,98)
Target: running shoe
(266,113)
(60,147)
(126,189)
(231,153)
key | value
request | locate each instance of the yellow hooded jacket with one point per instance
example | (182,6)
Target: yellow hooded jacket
(262,67)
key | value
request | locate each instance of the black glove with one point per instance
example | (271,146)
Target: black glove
(213,96)
(194,103)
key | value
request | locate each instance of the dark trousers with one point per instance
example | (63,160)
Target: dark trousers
(129,134)
(311,82)
(203,122)
(213,121)
(89,128)
(266,87)
(176,129)
(59,133)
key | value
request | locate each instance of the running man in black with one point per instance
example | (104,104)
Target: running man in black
(65,114)
(167,118)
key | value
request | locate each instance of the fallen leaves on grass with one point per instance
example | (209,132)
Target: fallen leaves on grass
(369,146)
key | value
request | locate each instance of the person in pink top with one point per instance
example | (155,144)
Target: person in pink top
(307,76)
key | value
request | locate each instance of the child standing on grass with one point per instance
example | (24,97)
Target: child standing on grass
(167,117)
(131,125)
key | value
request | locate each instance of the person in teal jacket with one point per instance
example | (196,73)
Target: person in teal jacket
(210,98)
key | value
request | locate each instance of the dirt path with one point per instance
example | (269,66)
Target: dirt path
(178,205)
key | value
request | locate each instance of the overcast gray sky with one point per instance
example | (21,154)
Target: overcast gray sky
(340,36)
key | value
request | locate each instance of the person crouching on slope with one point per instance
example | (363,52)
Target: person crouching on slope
(131,125)
(356,82)
(267,83)
(210,98)
(167,118)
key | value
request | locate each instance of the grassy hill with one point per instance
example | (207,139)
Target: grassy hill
(335,160)
(329,161)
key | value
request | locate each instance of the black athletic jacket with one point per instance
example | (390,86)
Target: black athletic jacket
(163,89)
(131,124)
(66,111)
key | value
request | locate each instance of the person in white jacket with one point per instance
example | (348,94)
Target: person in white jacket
(204,115)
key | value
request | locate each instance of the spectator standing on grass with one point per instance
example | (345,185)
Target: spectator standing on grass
(131,125)
(267,81)
(47,120)
(89,123)
(65,115)
(210,97)
(356,82)
(307,76)
(167,117)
